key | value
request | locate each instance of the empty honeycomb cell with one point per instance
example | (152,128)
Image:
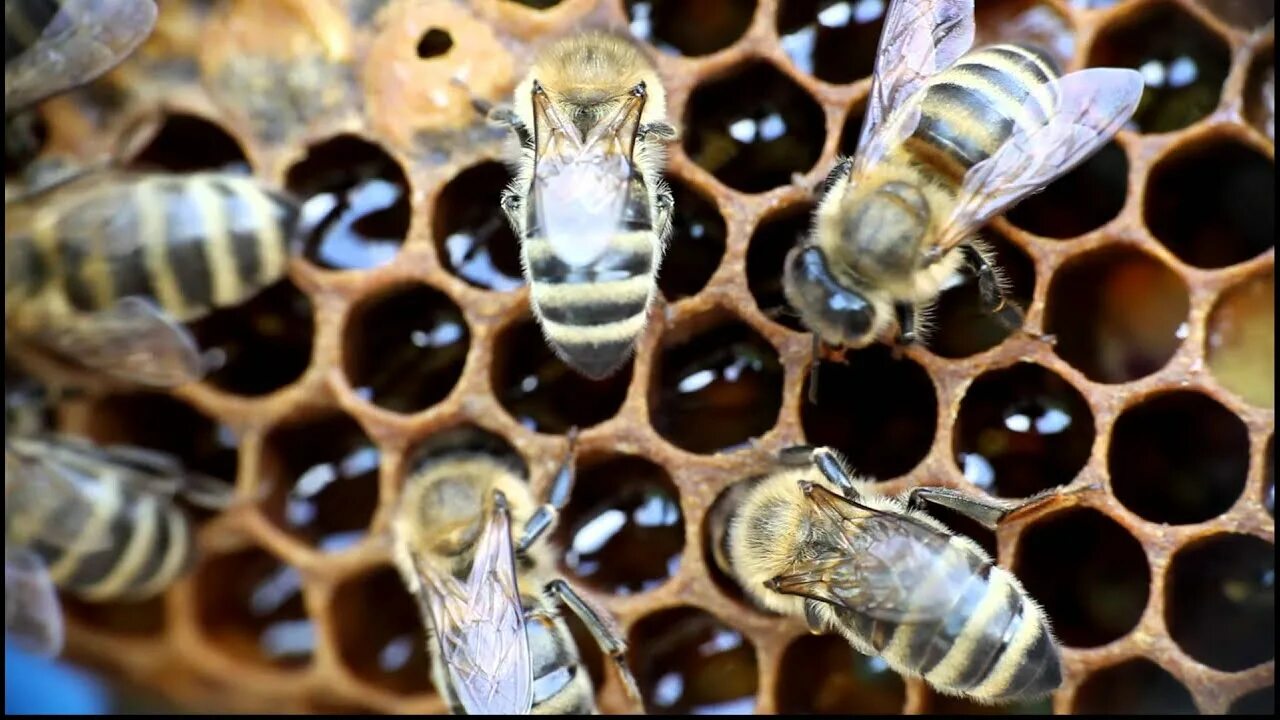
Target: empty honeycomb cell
(1260,93)
(1084,199)
(1022,429)
(876,410)
(695,245)
(683,28)
(1220,601)
(1241,342)
(1178,458)
(1035,23)
(959,324)
(473,241)
(388,646)
(1213,205)
(405,348)
(851,132)
(1117,314)
(622,531)
(716,390)
(770,243)
(356,213)
(1246,14)
(688,661)
(940,704)
(434,43)
(264,343)
(1136,686)
(1087,572)
(823,675)
(323,481)
(753,128)
(249,606)
(187,143)
(543,393)
(1182,62)
(140,618)
(1258,702)
(832,40)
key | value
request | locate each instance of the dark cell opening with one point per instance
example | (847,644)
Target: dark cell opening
(250,607)
(679,27)
(1084,199)
(537,4)
(25,135)
(265,343)
(1138,687)
(766,256)
(1221,601)
(961,325)
(434,43)
(1258,702)
(186,143)
(852,130)
(1028,22)
(831,40)
(1245,14)
(473,238)
(823,675)
(687,661)
(695,245)
(714,528)
(1260,91)
(141,618)
(387,644)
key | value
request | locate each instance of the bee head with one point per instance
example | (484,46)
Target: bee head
(840,314)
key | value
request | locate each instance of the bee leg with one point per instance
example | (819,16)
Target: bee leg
(658,131)
(796,455)
(833,469)
(988,512)
(544,518)
(906,314)
(842,169)
(993,298)
(606,636)
(812,619)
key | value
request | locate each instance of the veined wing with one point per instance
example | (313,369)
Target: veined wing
(882,565)
(46,498)
(480,625)
(32,613)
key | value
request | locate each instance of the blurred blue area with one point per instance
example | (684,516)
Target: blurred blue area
(36,685)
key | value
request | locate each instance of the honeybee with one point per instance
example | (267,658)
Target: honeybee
(103,265)
(466,543)
(588,201)
(812,541)
(950,139)
(100,522)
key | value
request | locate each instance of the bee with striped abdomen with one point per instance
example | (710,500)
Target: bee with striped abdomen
(588,202)
(951,138)
(811,541)
(102,267)
(466,543)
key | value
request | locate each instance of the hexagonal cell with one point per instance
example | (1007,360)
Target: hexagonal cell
(1083,200)
(543,393)
(716,389)
(1138,687)
(1220,601)
(687,661)
(474,240)
(1118,314)
(187,143)
(1260,93)
(1028,22)
(249,606)
(140,618)
(1241,342)
(381,638)
(265,342)
(356,214)
(1259,702)
(770,243)
(940,704)
(1087,572)
(693,29)
(878,411)
(1213,204)
(323,476)
(960,326)
(404,348)
(1183,63)
(1022,429)
(823,675)
(753,128)
(831,40)
(1178,458)
(695,246)
(622,530)
(1247,14)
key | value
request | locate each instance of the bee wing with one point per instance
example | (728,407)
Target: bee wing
(919,39)
(480,626)
(44,498)
(884,566)
(161,473)
(133,340)
(82,40)
(584,189)
(1092,105)
(32,613)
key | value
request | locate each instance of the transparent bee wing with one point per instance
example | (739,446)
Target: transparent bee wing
(163,474)
(82,40)
(480,625)
(1092,106)
(45,498)
(884,566)
(920,38)
(133,340)
(32,613)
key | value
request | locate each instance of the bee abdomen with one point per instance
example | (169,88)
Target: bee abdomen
(560,683)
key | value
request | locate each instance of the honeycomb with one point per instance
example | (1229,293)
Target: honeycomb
(405,315)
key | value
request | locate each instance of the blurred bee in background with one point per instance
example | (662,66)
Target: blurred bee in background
(100,522)
(51,46)
(588,201)
(466,543)
(951,138)
(812,541)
